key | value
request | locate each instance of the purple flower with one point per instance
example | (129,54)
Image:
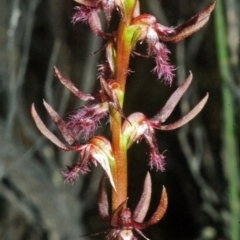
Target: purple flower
(147,29)
(86,119)
(97,150)
(87,8)
(83,13)
(123,221)
(137,126)
(163,69)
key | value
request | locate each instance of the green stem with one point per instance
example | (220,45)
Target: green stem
(230,148)
(124,46)
(123,54)
(120,173)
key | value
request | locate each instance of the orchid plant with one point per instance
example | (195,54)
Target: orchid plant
(78,131)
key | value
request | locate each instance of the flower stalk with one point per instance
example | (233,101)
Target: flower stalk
(123,51)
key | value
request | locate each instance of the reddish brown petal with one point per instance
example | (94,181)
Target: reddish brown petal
(191,26)
(101,151)
(86,120)
(103,205)
(187,117)
(133,129)
(72,172)
(144,19)
(44,130)
(61,125)
(111,96)
(108,91)
(161,209)
(88,3)
(95,25)
(143,204)
(172,102)
(69,85)
(108,7)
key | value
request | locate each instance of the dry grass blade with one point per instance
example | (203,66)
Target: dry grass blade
(61,125)
(161,209)
(69,85)
(44,130)
(188,117)
(172,102)
(143,204)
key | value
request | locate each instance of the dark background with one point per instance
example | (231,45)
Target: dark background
(35,203)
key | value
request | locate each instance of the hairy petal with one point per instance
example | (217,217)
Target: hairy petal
(86,120)
(83,13)
(73,172)
(104,70)
(82,166)
(157,160)
(163,69)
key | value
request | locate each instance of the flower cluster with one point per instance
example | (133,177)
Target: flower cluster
(123,221)
(134,128)
(146,29)
(85,120)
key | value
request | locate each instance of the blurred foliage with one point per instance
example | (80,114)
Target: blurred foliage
(34,202)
